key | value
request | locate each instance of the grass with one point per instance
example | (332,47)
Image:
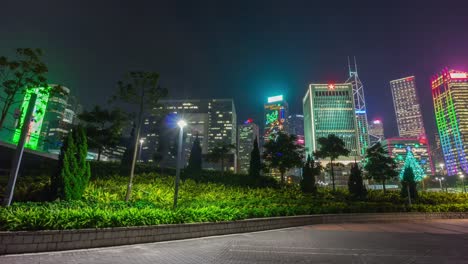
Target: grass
(152,199)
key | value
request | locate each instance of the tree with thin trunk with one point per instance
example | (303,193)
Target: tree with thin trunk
(142,91)
(379,165)
(331,147)
(283,153)
(219,154)
(255,162)
(103,127)
(16,76)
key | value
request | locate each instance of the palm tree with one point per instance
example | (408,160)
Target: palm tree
(331,147)
(283,153)
(219,152)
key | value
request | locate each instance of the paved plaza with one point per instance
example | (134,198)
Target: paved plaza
(438,241)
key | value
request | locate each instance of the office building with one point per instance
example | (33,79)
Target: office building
(398,149)
(248,132)
(376,131)
(275,114)
(359,107)
(450,97)
(296,127)
(213,121)
(407,109)
(329,109)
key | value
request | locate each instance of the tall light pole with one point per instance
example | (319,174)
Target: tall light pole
(440,179)
(141,148)
(463,180)
(181,125)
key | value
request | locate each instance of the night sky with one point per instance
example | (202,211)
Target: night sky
(243,50)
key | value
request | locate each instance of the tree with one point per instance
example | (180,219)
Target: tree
(255,166)
(219,152)
(379,165)
(331,147)
(74,171)
(283,153)
(139,89)
(355,183)
(310,170)
(103,127)
(195,159)
(408,183)
(26,71)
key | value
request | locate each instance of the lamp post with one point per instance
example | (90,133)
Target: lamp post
(141,148)
(181,125)
(463,180)
(440,179)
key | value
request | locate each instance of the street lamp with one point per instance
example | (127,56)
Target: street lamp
(463,180)
(141,148)
(440,179)
(181,125)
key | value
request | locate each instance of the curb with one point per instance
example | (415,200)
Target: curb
(53,240)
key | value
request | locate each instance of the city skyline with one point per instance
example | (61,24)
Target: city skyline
(233,58)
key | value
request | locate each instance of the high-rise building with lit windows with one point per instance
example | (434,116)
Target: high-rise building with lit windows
(213,121)
(376,131)
(248,132)
(329,109)
(275,114)
(450,97)
(407,108)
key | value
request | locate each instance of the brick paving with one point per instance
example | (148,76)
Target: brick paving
(437,241)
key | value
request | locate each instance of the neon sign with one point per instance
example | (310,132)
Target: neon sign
(275,98)
(271,117)
(458,75)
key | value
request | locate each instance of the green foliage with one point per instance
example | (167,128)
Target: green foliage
(25,71)
(379,165)
(103,127)
(310,170)
(195,160)
(355,183)
(74,171)
(255,166)
(283,153)
(152,198)
(331,147)
(408,184)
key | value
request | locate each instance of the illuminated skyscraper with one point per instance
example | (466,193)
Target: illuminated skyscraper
(329,109)
(296,127)
(407,108)
(376,131)
(398,149)
(212,121)
(276,112)
(248,132)
(450,97)
(360,108)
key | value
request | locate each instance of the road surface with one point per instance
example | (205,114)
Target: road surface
(439,241)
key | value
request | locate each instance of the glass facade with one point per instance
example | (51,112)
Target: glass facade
(329,109)
(450,97)
(407,108)
(247,134)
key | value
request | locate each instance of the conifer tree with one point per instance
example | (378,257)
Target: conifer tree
(408,183)
(255,162)
(355,183)
(74,171)
(309,171)
(195,160)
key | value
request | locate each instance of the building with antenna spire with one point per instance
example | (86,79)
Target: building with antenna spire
(360,108)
